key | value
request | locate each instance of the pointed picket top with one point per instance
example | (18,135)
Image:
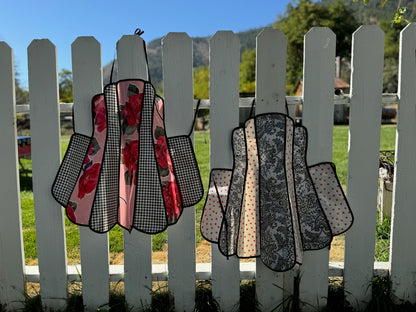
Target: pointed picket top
(4,45)
(178,82)
(322,35)
(46,155)
(402,247)
(178,92)
(318,94)
(175,36)
(87,81)
(318,116)
(362,185)
(223,91)
(367,31)
(130,56)
(271,71)
(7,67)
(224,54)
(407,42)
(271,45)
(12,285)
(45,45)
(131,61)
(6,52)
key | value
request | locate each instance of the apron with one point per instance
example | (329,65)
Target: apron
(271,204)
(128,172)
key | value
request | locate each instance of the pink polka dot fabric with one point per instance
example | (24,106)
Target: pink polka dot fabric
(215,203)
(332,197)
(248,244)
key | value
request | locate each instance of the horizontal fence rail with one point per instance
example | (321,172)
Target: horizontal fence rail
(387,99)
(181,270)
(203,272)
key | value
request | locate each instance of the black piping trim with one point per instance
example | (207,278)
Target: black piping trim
(145,82)
(170,156)
(211,179)
(65,156)
(224,225)
(245,182)
(154,155)
(340,188)
(293,206)
(305,132)
(195,115)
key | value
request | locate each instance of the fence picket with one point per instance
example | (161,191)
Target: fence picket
(87,81)
(46,155)
(403,248)
(224,85)
(11,252)
(270,97)
(364,145)
(318,100)
(131,62)
(178,89)
(318,114)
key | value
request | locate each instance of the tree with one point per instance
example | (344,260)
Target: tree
(65,86)
(201,82)
(22,95)
(399,13)
(248,71)
(247,76)
(391,54)
(300,17)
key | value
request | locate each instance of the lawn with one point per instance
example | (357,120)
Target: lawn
(340,155)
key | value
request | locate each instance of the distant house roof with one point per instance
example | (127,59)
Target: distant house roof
(341,84)
(338,84)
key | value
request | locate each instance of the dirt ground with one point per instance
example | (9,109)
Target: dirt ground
(203,254)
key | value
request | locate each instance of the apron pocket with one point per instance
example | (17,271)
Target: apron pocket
(186,170)
(68,172)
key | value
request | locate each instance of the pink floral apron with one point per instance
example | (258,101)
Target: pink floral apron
(128,172)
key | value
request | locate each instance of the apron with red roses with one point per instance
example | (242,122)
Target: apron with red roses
(128,172)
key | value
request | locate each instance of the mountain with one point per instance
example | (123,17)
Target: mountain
(369,13)
(375,10)
(200,55)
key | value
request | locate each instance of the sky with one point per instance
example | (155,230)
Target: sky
(62,21)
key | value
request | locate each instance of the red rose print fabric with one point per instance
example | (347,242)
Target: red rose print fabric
(80,203)
(170,188)
(124,173)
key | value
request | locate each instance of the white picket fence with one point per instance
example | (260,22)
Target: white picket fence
(181,270)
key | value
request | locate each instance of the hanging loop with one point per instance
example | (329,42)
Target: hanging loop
(138,32)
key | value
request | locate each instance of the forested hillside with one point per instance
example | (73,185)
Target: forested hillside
(375,10)
(342,16)
(200,56)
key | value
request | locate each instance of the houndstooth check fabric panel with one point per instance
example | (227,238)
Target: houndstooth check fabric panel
(68,172)
(149,213)
(186,170)
(105,208)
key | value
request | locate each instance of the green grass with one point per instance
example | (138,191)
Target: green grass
(340,158)
(340,147)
